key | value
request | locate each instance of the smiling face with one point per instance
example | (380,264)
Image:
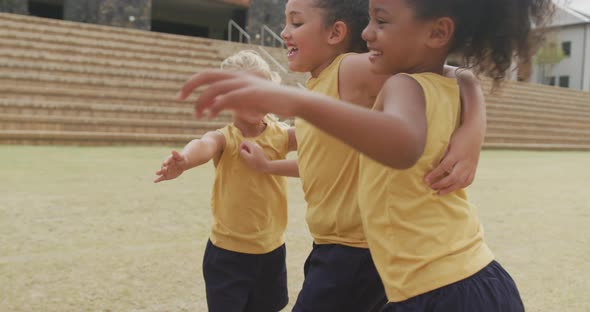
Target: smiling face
(306,37)
(396,39)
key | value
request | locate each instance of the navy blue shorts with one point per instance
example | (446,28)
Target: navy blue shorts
(242,282)
(340,278)
(489,290)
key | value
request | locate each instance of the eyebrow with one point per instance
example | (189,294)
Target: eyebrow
(294,13)
(379,10)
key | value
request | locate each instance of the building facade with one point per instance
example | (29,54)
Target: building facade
(569,33)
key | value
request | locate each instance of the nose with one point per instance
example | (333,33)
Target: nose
(368,34)
(285,33)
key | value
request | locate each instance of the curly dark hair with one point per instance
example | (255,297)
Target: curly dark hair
(354,13)
(488,33)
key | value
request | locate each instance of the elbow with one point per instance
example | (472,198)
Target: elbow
(408,161)
(403,160)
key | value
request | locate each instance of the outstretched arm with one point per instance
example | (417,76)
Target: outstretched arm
(458,167)
(195,153)
(394,137)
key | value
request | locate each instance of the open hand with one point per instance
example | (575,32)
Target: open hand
(172,167)
(239,91)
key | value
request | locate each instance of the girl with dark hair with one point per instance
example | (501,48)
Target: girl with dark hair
(428,249)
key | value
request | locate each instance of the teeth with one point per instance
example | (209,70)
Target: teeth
(376,53)
(292,50)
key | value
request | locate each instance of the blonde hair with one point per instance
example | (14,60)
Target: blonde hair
(250,60)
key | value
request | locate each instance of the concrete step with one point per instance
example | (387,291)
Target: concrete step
(534,138)
(579,134)
(101,72)
(532,120)
(34,58)
(534,94)
(43,90)
(31,106)
(520,99)
(102,32)
(138,38)
(537,147)
(11,40)
(160,89)
(31,32)
(539,111)
(534,87)
(23,59)
(102,124)
(61,66)
(28,106)
(35,137)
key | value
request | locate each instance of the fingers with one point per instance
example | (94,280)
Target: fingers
(169,161)
(446,185)
(245,147)
(217,97)
(443,169)
(176,156)
(172,159)
(162,171)
(201,79)
(160,179)
(246,155)
(238,100)
(461,177)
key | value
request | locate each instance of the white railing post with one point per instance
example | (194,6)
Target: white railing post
(276,38)
(243,34)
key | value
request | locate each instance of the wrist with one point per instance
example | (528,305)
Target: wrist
(472,131)
(265,166)
(185,163)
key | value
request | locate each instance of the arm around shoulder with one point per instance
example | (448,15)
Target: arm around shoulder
(473,107)
(356,75)
(394,135)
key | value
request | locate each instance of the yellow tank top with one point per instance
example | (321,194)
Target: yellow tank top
(329,173)
(421,241)
(250,208)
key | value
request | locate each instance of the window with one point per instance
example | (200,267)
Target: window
(180,28)
(47,10)
(566,46)
(564,81)
(550,81)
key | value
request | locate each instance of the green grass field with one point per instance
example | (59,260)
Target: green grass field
(85,229)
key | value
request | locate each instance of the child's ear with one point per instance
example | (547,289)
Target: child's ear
(441,33)
(338,33)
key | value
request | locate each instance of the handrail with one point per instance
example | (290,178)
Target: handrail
(264,29)
(279,65)
(242,32)
(270,57)
(276,38)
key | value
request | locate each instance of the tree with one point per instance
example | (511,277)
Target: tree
(550,54)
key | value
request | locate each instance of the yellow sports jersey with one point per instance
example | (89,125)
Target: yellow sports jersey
(250,208)
(329,173)
(421,241)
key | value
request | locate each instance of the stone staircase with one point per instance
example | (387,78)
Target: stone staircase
(70,83)
(527,116)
